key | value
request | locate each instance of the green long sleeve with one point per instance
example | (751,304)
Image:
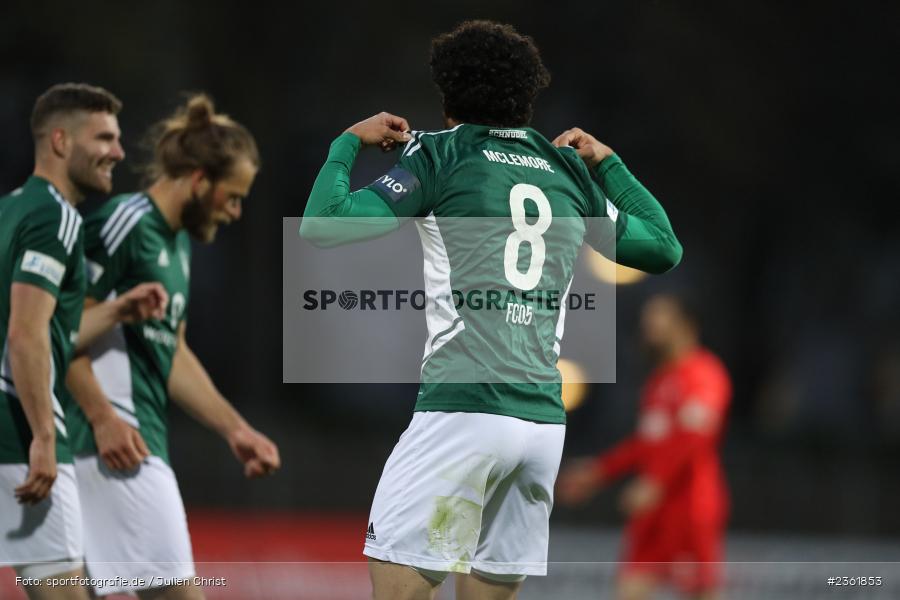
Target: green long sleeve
(334,215)
(644,236)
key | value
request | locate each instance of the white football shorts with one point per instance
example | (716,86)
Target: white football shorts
(465,491)
(135,528)
(47,532)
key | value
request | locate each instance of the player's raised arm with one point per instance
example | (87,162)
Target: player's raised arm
(333,214)
(644,236)
(191,387)
(28,342)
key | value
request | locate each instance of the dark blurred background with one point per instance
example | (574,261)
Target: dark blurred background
(768,130)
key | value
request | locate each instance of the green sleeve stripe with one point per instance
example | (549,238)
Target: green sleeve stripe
(122,221)
(69,221)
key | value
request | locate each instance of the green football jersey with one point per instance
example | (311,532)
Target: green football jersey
(128,242)
(43,245)
(502,214)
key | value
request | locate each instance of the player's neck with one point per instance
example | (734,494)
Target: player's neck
(169,199)
(680,348)
(60,181)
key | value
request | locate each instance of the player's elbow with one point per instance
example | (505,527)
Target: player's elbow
(22,339)
(670,256)
(20,336)
(314,231)
(664,256)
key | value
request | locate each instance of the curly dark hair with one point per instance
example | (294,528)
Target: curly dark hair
(488,73)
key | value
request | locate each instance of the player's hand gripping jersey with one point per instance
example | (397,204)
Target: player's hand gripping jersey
(501,214)
(42,246)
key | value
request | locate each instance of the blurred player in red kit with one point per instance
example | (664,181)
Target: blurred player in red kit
(678,503)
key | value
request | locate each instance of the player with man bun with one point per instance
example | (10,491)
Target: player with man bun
(203,167)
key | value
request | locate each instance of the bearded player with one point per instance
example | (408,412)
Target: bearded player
(135,526)
(469,487)
(677,505)
(42,283)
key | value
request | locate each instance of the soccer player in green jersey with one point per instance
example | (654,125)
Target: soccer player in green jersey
(42,285)
(135,526)
(469,486)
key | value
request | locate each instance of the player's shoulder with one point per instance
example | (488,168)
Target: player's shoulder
(568,156)
(38,204)
(440,137)
(705,365)
(36,196)
(117,205)
(37,213)
(118,219)
(707,359)
(431,145)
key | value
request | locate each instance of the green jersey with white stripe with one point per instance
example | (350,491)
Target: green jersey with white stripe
(128,242)
(501,214)
(42,246)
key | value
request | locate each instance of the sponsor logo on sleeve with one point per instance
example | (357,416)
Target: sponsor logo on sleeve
(46,266)
(611,211)
(398,183)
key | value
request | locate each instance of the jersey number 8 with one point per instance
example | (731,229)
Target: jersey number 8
(524,233)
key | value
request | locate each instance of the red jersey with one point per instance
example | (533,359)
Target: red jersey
(683,408)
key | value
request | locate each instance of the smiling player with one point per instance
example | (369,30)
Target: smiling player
(42,283)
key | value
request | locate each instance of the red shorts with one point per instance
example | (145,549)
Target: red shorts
(682,551)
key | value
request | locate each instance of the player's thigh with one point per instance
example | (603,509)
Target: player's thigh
(516,522)
(46,536)
(59,591)
(391,581)
(427,510)
(136,531)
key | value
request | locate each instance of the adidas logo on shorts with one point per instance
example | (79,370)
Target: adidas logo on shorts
(370,533)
